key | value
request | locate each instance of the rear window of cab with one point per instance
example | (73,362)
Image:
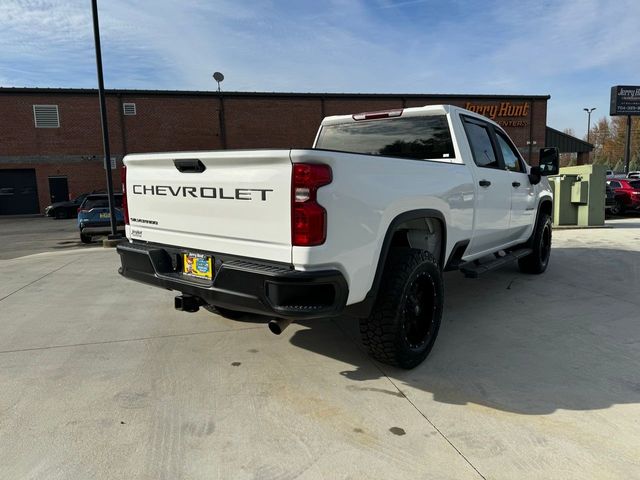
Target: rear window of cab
(101,202)
(416,138)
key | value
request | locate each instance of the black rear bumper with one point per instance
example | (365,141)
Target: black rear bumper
(246,285)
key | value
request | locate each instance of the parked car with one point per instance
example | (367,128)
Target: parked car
(634,174)
(94,218)
(68,209)
(627,194)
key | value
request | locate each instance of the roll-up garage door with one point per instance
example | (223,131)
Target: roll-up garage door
(18,192)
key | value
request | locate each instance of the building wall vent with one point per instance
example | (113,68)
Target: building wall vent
(46,116)
(129,108)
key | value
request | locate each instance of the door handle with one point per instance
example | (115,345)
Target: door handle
(190,165)
(484,183)
(516,184)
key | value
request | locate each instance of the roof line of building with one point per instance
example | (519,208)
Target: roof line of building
(205,93)
(575,144)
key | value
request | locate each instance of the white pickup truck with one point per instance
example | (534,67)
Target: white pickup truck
(364,223)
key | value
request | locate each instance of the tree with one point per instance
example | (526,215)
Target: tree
(608,136)
(619,167)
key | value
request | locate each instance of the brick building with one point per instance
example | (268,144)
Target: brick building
(51,143)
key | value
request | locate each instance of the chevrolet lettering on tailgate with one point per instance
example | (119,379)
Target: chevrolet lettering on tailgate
(203,192)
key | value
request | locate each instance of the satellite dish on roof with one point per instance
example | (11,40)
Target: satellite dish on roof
(218,77)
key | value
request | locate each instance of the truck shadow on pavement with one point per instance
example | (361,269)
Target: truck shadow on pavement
(568,339)
(67,244)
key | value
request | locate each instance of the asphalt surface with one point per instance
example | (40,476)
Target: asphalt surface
(531,377)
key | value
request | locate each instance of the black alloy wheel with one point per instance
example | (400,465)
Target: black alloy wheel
(419,311)
(545,245)
(404,322)
(540,243)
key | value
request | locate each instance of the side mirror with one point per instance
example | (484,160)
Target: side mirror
(549,161)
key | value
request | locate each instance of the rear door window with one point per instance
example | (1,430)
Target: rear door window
(101,202)
(417,138)
(481,145)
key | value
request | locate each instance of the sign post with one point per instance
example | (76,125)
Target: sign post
(627,147)
(625,100)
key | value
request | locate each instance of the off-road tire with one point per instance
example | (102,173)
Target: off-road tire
(405,320)
(538,260)
(224,312)
(85,238)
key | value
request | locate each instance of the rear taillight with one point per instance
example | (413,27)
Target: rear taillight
(125,208)
(308,217)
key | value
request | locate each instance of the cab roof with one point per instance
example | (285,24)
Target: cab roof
(401,112)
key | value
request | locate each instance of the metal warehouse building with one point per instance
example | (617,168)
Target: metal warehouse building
(51,144)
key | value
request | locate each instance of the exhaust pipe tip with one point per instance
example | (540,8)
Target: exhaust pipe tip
(278,325)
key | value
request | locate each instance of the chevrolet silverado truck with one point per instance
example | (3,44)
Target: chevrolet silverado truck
(363,224)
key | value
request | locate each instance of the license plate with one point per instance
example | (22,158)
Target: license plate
(105,215)
(197,265)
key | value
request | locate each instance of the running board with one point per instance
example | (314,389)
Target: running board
(475,269)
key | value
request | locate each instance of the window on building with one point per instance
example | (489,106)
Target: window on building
(46,116)
(129,108)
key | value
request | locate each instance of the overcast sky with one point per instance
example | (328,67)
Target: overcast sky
(573,50)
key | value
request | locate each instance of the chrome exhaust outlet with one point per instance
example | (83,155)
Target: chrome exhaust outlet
(278,325)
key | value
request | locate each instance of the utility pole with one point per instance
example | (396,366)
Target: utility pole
(103,119)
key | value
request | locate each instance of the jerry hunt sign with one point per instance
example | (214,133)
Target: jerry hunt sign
(498,112)
(625,100)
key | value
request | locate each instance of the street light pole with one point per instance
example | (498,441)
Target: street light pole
(219,77)
(103,119)
(589,110)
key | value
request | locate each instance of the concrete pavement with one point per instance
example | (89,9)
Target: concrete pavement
(531,377)
(22,236)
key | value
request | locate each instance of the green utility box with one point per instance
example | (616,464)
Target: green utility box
(578,196)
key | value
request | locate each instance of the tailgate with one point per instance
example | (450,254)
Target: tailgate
(234,202)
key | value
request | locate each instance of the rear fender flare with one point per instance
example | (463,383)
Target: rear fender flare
(363,308)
